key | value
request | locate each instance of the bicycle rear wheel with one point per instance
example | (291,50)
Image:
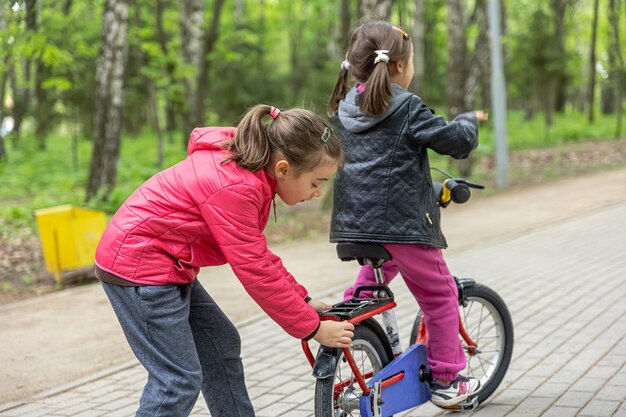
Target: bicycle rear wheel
(339,395)
(487,321)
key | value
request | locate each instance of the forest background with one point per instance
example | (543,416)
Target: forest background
(98,95)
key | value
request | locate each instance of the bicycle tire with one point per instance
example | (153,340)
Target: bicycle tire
(500,358)
(366,346)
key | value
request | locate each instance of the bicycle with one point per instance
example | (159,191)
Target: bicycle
(374,378)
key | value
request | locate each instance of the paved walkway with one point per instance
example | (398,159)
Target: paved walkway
(565,287)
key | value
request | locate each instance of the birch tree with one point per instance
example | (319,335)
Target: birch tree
(110,68)
(191,22)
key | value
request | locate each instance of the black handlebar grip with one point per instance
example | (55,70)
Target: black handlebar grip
(459,192)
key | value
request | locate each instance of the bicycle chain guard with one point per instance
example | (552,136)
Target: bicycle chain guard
(398,386)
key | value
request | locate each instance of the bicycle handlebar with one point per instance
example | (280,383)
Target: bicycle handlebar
(453,189)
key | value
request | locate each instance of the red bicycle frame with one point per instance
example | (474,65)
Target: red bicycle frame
(360,378)
(422,338)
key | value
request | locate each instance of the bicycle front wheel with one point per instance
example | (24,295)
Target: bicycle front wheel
(339,395)
(487,322)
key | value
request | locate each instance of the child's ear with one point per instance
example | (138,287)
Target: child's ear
(398,67)
(281,168)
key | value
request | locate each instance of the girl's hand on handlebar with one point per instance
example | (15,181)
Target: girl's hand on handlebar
(481,116)
(335,334)
(319,305)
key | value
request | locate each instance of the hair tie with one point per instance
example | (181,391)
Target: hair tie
(381,56)
(326,134)
(274,112)
(345,65)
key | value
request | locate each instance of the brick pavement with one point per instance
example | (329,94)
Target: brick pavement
(565,288)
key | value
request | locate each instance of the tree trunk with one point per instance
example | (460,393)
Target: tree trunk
(464,74)
(191,21)
(457,52)
(110,68)
(479,61)
(592,62)
(22,93)
(43,107)
(417,35)
(375,10)
(43,114)
(346,24)
(457,75)
(299,69)
(202,83)
(3,84)
(618,69)
(170,119)
(608,86)
(431,20)
(558,9)
(67,7)
(154,115)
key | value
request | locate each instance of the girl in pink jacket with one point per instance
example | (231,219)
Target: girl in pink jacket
(210,209)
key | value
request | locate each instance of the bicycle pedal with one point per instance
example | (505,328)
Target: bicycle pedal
(468,405)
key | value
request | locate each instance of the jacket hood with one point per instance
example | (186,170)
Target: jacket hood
(209,138)
(355,120)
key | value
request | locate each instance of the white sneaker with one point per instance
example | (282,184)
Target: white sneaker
(454,393)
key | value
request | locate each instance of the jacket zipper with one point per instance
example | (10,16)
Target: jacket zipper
(429,220)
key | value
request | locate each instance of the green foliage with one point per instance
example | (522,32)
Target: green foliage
(281,52)
(32,180)
(532,134)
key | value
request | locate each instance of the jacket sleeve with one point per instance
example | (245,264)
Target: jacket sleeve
(456,138)
(278,263)
(232,215)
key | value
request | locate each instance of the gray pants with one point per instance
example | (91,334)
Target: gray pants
(187,345)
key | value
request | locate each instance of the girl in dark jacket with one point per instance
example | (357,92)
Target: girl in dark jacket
(383,192)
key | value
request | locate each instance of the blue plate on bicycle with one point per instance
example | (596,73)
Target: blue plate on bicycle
(397,387)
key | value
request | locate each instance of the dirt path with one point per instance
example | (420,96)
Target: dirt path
(52,340)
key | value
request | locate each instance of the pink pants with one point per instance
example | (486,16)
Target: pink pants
(426,274)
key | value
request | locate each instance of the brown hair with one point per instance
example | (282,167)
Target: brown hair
(300,135)
(366,39)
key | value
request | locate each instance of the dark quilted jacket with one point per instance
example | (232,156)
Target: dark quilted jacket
(383,193)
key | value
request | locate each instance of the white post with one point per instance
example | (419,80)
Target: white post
(498,96)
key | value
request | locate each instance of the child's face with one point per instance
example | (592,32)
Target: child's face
(293,188)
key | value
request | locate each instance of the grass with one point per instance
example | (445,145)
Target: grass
(34,179)
(533,134)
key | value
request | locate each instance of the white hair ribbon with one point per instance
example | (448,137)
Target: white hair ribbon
(381,56)
(346,65)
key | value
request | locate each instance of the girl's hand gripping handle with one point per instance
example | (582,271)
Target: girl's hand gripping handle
(336,334)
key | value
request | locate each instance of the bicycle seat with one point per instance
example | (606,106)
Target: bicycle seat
(360,251)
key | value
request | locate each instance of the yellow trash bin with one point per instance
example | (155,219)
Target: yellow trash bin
(69,236)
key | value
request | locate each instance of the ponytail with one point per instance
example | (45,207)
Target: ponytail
(376,97)
(339,92)
(251,147)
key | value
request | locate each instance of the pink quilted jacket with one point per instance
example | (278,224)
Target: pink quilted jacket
(198,213)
